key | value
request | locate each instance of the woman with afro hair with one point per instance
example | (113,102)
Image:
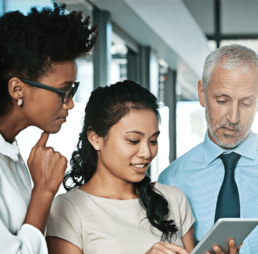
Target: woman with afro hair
(37,84)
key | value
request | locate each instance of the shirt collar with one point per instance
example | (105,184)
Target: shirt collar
(247,148)
(210,150)
(10,150)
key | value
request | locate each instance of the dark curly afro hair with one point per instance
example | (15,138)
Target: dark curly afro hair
(30,44)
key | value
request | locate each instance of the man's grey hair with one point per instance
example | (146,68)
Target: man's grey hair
(235,56)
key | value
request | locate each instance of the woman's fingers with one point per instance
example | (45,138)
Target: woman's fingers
(40,143)
(175,248)
(46,166)
(166,248)
(43,139)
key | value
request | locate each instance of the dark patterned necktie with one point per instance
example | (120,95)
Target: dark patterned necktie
(228,204)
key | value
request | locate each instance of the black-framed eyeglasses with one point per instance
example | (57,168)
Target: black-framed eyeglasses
(66,95)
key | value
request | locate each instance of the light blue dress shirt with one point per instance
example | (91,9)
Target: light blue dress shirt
(199,174)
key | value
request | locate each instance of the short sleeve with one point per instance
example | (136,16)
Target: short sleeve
(64,221)
(186,215)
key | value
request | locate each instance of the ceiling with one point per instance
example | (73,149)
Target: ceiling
(178,30)
(237,19)
(171,31)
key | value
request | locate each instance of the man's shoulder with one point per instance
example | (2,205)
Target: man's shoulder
(193,155)
(188,160)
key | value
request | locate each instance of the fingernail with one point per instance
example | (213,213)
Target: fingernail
(216,248)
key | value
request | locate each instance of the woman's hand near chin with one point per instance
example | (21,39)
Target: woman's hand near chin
(46,166)
(166,248)
(47,169)
(232,248)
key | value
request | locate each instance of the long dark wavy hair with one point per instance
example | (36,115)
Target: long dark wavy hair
(106,106)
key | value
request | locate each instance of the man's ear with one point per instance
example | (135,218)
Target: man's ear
(94,139)
(16,88)
(201,93)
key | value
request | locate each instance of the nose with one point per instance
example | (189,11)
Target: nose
(145,151)
(234,113)
(69,104)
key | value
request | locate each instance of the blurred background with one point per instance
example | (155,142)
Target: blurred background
(161,45)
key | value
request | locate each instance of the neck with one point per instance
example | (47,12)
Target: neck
(10,125)
(108,186)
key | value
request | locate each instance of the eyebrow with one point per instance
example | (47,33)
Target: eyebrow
(245,98)
(66,84)
(222,95)
(142,134)
(248,98)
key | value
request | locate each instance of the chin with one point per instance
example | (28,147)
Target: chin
(229,144)
(52,129)
(138,178)
(53,132)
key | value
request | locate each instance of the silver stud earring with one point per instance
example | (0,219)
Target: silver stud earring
(19,102)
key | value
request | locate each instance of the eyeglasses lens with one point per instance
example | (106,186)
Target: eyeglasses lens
(70,93)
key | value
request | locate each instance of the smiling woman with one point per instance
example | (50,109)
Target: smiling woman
(41,49)
(112,207)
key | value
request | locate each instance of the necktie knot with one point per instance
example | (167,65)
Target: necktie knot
(230,160)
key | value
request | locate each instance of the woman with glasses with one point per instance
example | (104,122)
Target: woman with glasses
(37,84)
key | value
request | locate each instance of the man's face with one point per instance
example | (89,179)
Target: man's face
(231,104)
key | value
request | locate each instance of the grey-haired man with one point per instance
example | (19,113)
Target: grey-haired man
(220,175)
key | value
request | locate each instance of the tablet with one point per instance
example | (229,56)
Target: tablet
(222,231)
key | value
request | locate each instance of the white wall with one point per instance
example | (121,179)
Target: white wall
(203,12)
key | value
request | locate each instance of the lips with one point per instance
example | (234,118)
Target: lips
(229,129)
(62,117)
(140,167)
